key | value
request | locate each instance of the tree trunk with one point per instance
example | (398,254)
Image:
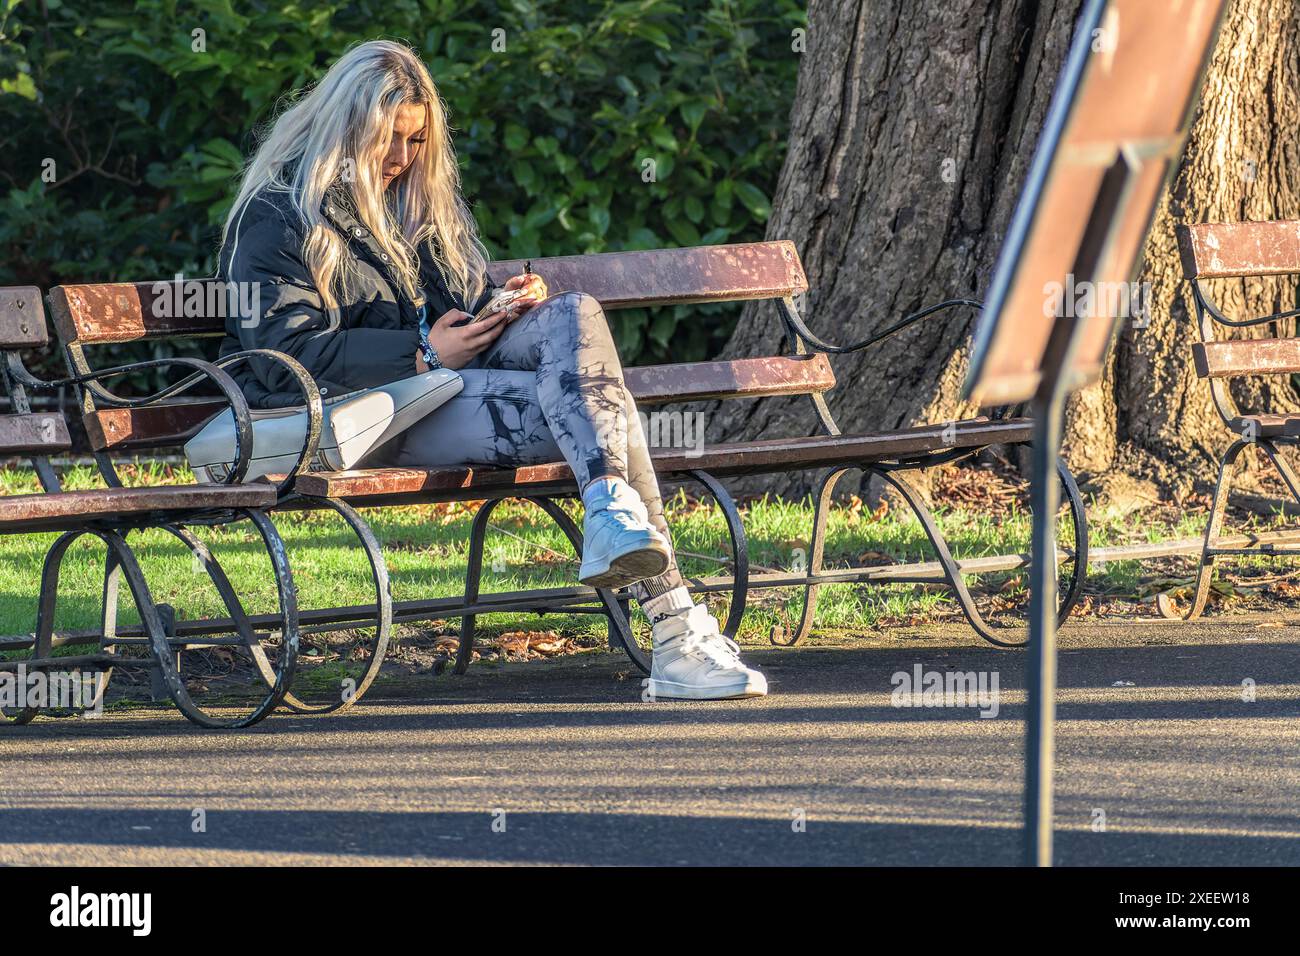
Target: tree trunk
(910,137)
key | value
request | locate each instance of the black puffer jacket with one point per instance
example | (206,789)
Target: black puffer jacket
(374,337)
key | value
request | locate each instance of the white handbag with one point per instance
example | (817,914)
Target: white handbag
(353,424)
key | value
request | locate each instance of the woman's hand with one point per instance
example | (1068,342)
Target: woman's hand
(537,292)
(457,345)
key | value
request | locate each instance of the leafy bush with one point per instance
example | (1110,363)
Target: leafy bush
(122,130)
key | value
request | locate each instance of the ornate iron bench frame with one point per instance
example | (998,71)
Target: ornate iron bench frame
(111,514)
(1238,250)
(94,315)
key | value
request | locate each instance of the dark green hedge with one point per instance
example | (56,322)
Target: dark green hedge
(146,134)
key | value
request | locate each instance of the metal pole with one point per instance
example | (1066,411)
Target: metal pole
(1040,722)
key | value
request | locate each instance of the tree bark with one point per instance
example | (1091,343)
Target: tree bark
(910,136)
(1240,164)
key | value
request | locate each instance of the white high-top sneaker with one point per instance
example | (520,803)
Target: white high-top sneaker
(619,545)
(693,659)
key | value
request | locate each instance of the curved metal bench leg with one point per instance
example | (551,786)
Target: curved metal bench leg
(150,618)
(270,674)
(816,549)
(351,689)
(614,636)
(617,609)
(473,575)
(620,624)
(108,622)
(1283,468)
(217,574)
(619,614)
(1079,516)
(43,639)
(951,569)
(162,646)
(739,550)
(1205,570)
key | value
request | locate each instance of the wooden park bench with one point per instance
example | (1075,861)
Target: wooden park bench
(1224,251)
(94,315)
(111,514)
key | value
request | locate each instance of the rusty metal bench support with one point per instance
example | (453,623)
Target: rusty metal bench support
(613,604)
(1225,250)
(951,569)
(376,646)
(159,632)
(1212,545)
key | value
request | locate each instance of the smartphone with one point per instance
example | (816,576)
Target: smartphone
(499,300)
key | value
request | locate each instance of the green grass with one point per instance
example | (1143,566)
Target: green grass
(426,552)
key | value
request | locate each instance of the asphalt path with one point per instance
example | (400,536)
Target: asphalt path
(1160,761)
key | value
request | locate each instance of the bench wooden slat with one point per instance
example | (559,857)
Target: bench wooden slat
(1246,357)
(106,313)
(22,317)
(111,312)
(737,378)
(40,432)
(736,458)
(72,508)
(174,423)
(620,280)
(169,423)
(1214,250)
(1265,426)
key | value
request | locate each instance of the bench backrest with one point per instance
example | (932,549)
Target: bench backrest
(1234,250)
(621,280)
(22,326)
(104,314)
(1220,250)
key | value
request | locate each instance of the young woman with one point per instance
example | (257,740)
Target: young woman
(368,267)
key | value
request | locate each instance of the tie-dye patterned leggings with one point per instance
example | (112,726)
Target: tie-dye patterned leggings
(550,388)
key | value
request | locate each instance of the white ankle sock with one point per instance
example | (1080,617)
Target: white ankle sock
(670,602)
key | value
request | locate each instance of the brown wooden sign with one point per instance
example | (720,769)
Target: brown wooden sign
(1067,267)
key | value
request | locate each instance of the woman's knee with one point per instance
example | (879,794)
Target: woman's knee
(576,308)
(580,306)
(578,299)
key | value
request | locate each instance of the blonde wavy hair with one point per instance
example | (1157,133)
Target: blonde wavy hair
(339,131)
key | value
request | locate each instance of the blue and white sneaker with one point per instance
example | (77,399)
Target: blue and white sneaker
(619,545)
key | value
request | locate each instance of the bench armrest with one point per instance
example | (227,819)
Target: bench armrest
(203,370)
(800,331)
(795,323)
(1208,304)
(311,398)
(217,374)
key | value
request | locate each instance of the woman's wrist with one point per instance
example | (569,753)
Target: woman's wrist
(426,356)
